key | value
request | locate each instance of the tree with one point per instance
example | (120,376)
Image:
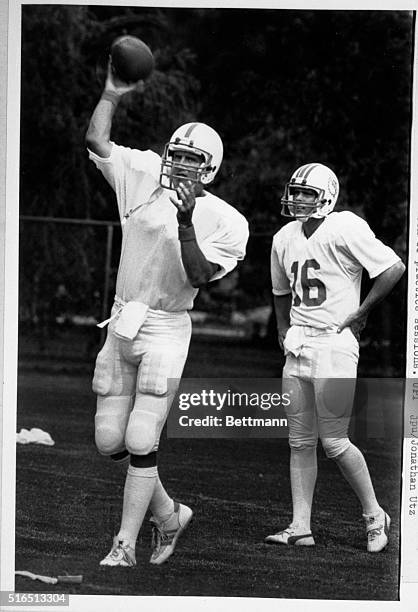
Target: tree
(62,78)
(282,87)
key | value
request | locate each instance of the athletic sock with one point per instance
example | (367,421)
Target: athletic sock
(162,505)
(354,468)
(139,487)
(121,460)
(303,474)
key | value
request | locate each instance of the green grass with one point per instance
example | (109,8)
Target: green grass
(69,502)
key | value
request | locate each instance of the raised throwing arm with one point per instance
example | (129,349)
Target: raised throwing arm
(98,132)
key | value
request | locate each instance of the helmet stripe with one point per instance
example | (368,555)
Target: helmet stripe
(302,170)
(190,129)
(309,170)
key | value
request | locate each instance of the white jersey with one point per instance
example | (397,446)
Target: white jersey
(323,272)
(151,269)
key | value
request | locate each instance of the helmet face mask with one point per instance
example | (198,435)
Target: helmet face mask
(301,209)
(173,170)
(318,181)
(194,140)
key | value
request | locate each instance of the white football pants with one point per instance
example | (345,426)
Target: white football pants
(321,382)
(136,380)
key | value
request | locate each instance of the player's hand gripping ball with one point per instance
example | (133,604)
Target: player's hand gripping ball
(132,59)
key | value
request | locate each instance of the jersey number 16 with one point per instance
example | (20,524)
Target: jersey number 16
(308,284)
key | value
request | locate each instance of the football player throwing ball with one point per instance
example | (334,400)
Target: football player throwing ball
(316,266)
(176,237)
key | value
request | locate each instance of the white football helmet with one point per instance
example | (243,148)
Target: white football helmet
(319,179)
(196,138)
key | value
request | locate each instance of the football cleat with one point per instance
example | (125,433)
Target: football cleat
(121,555)
(377,530)
(164,540)
(291,538)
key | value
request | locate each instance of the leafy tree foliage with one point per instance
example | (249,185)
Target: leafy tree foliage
(62,79)
(282,87)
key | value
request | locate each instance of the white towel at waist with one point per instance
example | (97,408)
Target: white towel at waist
(297,334)
(293,340)
(131,316)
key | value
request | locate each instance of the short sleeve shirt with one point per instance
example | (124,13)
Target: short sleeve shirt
(323,272)
(151,269)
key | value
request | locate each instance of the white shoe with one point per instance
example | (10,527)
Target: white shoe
(121,555)
(164,540)
(291,538)
(377,530)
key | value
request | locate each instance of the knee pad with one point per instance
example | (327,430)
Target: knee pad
(302,444)
(142,432)
(111,419)
(333,447)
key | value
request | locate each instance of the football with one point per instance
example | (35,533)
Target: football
(132,59)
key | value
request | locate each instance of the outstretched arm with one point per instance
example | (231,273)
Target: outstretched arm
(98,133)
(383,284)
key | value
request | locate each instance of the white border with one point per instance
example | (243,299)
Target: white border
(81,603)
(3,112)
(409,524)
(10,308)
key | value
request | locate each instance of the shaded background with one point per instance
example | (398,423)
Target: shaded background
(282,88)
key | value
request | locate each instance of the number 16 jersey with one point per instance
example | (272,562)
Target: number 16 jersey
(323,272)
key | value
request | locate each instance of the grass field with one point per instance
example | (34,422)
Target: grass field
(69,501)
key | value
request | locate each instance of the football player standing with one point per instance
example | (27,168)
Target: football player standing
(316,266)
(176,237)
